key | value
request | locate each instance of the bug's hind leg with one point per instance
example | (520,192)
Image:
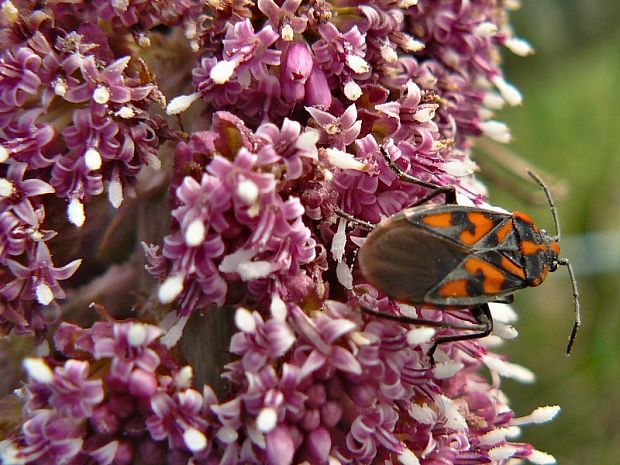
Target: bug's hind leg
(436,189)
(484,327)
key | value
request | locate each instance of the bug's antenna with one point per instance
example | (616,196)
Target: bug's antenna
(554,211)
(577,324)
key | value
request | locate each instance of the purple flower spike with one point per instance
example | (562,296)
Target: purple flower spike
(292,110)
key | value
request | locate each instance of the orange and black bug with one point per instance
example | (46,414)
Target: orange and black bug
(452,257)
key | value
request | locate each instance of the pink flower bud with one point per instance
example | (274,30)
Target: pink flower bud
(317,92)
(296,67)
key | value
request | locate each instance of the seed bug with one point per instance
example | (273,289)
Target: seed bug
(451,257)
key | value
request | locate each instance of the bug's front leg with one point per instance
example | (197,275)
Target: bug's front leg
(483,326)
(436,189)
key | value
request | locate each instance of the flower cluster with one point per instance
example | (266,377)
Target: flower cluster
(279,114)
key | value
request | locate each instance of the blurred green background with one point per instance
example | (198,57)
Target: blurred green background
(569,127)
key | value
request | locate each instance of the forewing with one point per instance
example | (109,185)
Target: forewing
(405,261)
(481,277)
(469,227)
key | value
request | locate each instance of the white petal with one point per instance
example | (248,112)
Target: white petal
(485,29)
(408,458)
(339,240)
(44,294)
(509,370)
(6,188)
(267,419)
(136,334)
(508,92)
(520,47)
(223,71)
(344,275)
(541,458)
(170,288)
(115,193)
(38,370)
(101,95)
(447,369)
(357,64)
(92,159)
(231,262)
(244,320)
(421,335)
(247,190)
(502,452)
(352,90)
(278,308)
(496,130)
(195,233)
(254,270)
(194,439)
(344,160)
(75,212)
(227,435)
(181,103)
(4,154)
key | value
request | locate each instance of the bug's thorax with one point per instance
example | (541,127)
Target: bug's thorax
(540,251)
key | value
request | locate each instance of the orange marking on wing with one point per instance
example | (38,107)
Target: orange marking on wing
(456,288)
(482,225)
(439,220)
(522,216)
(503,231)
(530,248)
(512,268)
(492,278)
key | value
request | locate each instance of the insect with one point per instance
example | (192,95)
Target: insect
(451,257)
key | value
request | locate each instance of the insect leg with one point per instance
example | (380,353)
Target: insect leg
(573,334)
(508,299)
(449,191)
(420,321)
(361,223)
(484,321)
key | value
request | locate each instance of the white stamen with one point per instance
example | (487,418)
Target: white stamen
(136,334)
(247,190)
(126,112)
(357,64)
(344,275)
(503,313)
(509,370)
(422,414)
(541,458)
(503,452)
(508,92)
(143,40)
(194,439)
(308,140)
(60,87)
(493,437)
(352,91)
(267,419)
(7,188)
(223,71)
(153,161)
(486,29)
(230,263)
(404,4)
(493,101)
(170,288)
(92,159)
(175,325)
(254,270)
(519,47)
(115,193)
(389,53)
(413,45)
(287,33)
(44,294)
(120,5)
(426,113)
(181,103)
(339,240)
(75,212)
(417,336)
(101,95)
(244,320)
(38,370)
(183,379)
(539,415)
(344,160)
(496,130)
(408,458)
(504,331)
(227,435)
(4,154)
(447,369)
(195,233)
(513,432)
(10,12)
(454,419)
(278,308)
